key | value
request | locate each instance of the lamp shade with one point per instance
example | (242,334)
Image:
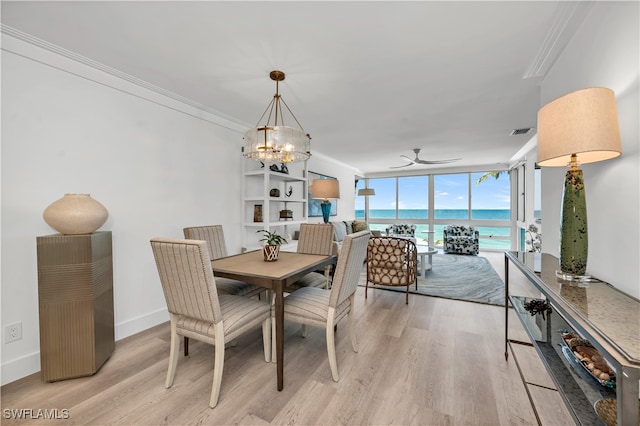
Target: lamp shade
(584,123)
(281,144)
(276,143)
(325,189)
(366,191)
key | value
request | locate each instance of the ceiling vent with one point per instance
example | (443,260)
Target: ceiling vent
(525,131)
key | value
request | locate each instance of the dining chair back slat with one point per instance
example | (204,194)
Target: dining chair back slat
(188,286)
(213,235)
(319,307)
(349,267)
(197,311)
(314,238)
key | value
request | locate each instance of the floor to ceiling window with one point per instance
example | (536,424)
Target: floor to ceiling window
(360,200)
(491,201)
(461,198)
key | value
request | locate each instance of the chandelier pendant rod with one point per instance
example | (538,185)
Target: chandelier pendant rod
(292,115)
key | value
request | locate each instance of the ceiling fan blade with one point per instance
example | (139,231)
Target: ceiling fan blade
(408,159)
(437,161)
(406,165)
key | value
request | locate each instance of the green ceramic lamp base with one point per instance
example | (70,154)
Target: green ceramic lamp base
(574,244)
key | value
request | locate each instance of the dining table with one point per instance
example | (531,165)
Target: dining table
(252,268)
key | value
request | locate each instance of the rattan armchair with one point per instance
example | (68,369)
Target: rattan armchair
(391,261)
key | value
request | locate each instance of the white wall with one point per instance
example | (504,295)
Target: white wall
(346,175)
(157,164)
(603,53)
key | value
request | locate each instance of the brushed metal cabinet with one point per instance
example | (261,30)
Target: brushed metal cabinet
(75,292)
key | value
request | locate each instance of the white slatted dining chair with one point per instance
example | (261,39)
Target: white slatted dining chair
(197,310)
(323,308)
(315,238)
(214,236)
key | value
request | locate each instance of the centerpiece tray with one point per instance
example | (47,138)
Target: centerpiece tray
(582,352)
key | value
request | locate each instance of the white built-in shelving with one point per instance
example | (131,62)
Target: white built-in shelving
(257,183)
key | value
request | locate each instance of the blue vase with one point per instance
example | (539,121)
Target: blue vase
(326,210)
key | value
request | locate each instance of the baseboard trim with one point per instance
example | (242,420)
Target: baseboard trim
(29,364)
(141,323)
(20,367)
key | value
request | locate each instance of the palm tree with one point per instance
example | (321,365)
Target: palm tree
(495,174)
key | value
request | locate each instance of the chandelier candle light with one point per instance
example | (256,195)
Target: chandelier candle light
(274,142)
(324,189)
(578,128)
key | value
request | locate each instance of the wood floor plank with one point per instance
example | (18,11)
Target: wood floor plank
(552,410)
(531,365)
(434,361)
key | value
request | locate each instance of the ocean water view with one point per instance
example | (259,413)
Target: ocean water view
(491,237)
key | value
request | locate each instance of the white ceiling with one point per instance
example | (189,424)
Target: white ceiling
(368,80)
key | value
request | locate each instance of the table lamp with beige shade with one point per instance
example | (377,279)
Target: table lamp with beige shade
(325,189)
(578,128)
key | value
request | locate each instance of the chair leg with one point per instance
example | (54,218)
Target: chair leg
(407,297)
(303,330)
(327,275)
(186,346)
(173,355)
(366,288)
(331,345)
(352,326)
(218,364)
(266,339)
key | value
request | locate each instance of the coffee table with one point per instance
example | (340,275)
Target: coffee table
(424,251)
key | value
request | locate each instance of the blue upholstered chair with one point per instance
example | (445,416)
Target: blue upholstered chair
(461,239)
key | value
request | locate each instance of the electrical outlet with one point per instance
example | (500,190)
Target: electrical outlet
(13,332)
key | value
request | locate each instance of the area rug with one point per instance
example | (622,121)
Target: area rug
(460,277)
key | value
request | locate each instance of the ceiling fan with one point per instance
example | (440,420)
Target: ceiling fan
(417,160)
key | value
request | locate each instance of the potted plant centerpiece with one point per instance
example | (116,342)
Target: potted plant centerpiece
(272,243)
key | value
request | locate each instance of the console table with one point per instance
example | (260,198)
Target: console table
(608,318)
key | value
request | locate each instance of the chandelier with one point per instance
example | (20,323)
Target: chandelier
(274,142)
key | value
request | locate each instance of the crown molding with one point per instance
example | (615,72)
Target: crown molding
(166,97)
(568,17)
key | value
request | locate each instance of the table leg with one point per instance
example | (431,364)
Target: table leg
(506,307)
(279,318)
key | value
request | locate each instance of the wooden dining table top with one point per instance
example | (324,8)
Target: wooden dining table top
(251,266)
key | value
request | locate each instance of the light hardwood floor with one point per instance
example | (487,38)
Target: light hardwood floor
(434,361)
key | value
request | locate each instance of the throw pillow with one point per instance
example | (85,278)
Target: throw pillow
(349,228)
(358,226)
(340,230)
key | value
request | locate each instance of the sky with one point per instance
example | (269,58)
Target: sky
(451,192)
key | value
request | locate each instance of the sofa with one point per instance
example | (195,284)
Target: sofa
(461,239)
(345,227)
